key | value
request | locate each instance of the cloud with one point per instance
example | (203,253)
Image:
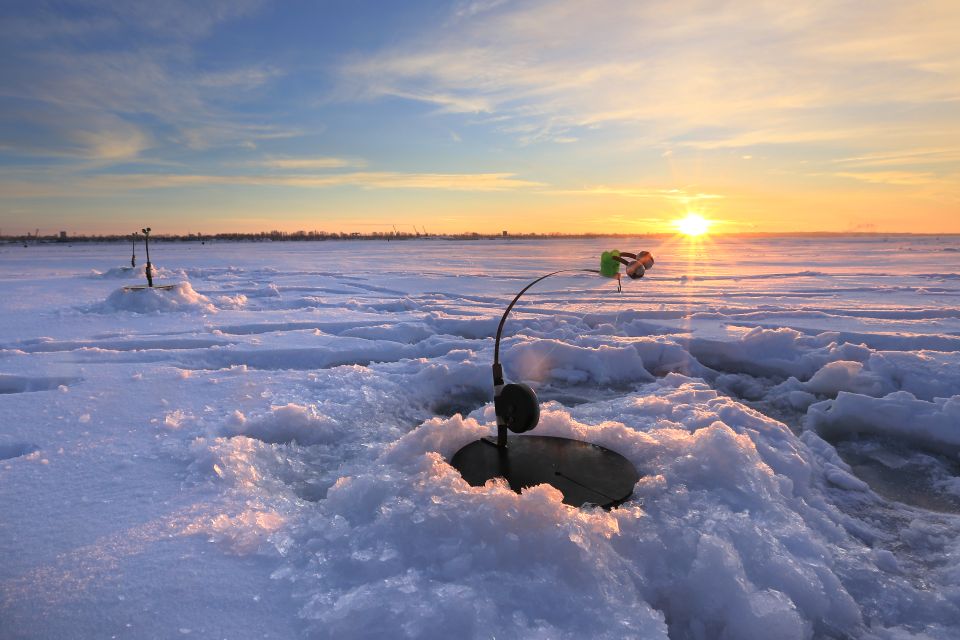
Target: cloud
(470,8)
(183,20)
(764,72)
(896,178)
(904,157)
(131,62)
(310,163)
(637,192)
(121,142)
(246,78)
(478,182)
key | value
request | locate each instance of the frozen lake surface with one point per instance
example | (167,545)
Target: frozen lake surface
(261,452)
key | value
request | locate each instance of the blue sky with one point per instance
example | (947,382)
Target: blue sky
(532,116)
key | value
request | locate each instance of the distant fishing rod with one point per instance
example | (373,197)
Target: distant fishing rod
(146,246)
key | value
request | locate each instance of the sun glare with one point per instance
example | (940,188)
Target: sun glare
(692,225)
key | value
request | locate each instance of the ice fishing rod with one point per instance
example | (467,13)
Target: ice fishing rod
(516,403)
(585,473)
(146,245)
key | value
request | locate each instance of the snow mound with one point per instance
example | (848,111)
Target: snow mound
(925,374)
(269,290)
(553,359)
(238,301)
(776,352)
(844,375)
(290,423)
(139,272)
(728,535)
(181,297)
(901,415)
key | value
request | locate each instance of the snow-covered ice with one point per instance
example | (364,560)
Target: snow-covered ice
(261,452)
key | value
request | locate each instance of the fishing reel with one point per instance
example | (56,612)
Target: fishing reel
(516,404)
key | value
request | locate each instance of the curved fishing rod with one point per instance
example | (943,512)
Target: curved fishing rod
(610,261)
(497,367)
(582,472)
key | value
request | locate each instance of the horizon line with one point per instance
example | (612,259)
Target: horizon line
(302,235)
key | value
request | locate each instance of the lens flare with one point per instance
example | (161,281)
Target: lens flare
(692,225)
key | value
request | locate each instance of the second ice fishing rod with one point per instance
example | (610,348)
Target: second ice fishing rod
(146,246)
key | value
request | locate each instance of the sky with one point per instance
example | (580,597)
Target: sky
(544,116)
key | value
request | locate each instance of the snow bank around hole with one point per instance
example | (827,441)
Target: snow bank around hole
(456,383)
(925,374)
(138,272)
(933,424)
(776,352)
(410,550)
(541,360)
(729,534)
(255,511)
(235,302)
(181,297)
(290,423)
(661,355)
(844,375)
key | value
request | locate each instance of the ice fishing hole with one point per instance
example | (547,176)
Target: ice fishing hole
(24,384)
(16,449)
(463,402)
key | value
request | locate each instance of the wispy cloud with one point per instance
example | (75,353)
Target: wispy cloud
(765,72)
(896,178)
(120,142)
(904,157)
(470,8)
(637,192)
(131,63)
(479,182)
(369,180)
(310,163)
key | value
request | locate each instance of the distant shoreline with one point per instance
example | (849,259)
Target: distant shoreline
(277,236)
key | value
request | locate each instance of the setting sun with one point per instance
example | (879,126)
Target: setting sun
(692,225)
